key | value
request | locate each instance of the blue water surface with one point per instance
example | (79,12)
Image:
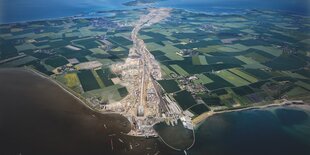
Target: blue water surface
(25,10)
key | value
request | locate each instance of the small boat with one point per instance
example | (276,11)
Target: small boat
(147,136)
(121,140)
(105,126)
(112,144)
(130,146)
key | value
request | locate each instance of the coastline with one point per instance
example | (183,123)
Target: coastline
(40,19)
(156,5)
(188,148)
(37,73)
(88,105)
(38,114)
(198,122)
(53,18)
(68,91)
(75,15)
(201,118)
(59,85)
(286,102)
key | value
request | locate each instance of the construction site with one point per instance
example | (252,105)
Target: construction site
(146,104)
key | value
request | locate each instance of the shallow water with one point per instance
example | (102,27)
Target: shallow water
(277,130)
(177,137)
(27,10)
(22,10)
(38,117)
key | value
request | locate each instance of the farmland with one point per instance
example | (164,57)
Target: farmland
(237,62)
(105,76)
(185,99)
(56,47)
(88,80)
(56,61)
(169,86)
(207,61)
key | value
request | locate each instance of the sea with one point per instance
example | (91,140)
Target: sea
(38,117)
(12,11)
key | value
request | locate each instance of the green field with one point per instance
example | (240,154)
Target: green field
(212,101)
(120,40)
(98,79)
(184,99)
(72,80)
(88,43)
(217,83)
(25,47)
(284,62)
(122,91)
(56,61)
(243,90)
(199,60)
(250,62)
(105,76)
(112,93)
(298,91)
(303,85)
(203,79)
(243,75)
(7,50)
(238,59)
(19,62)
(179,70)
(232,78)
(199,109)
(170,86)
(88,80)
(166,71)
